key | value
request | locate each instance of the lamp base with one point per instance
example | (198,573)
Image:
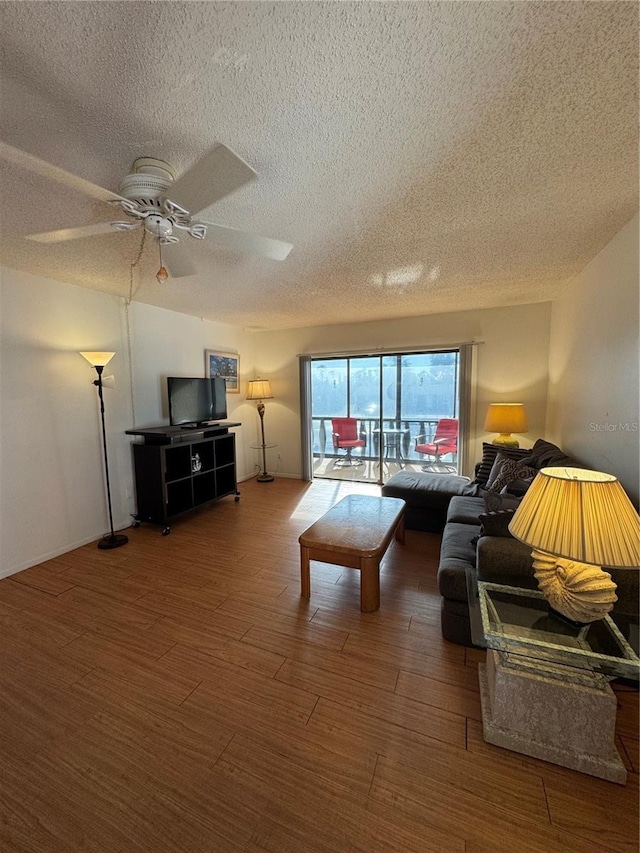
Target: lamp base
(112,540)
(506,440)
(265,478)
(572,623)
(580,592)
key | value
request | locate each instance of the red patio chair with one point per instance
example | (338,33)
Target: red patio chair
(444,441)
(344,432)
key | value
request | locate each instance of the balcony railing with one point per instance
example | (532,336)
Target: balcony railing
(323,443)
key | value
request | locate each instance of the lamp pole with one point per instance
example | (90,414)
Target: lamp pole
(264,477)
(114,540)
(98,360)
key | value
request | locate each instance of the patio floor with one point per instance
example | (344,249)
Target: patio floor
(369,471)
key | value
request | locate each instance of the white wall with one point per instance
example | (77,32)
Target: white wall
(511,363)
(593,363)
(52,496)
(51,481)
(51,492)
(164,343)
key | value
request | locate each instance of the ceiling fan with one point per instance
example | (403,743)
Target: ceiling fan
(151,197)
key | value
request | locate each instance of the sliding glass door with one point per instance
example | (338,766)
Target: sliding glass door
(392,404)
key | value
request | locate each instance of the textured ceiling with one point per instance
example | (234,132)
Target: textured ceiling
(421,157)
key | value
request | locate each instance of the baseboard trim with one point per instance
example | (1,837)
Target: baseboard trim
(57,552)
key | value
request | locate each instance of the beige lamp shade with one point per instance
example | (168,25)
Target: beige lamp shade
(506,418)
(259,389)
(579,515)
(98,359)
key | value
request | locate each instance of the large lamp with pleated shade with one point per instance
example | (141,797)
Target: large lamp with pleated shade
(577,521)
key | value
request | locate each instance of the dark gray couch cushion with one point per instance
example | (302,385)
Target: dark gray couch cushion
(454,621)
(457,554)
(505,561)
(465,510)
(427,497)
(431,491)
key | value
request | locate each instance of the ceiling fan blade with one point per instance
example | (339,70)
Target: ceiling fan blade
(177,259)
(65,234)
(243,241)
(54,173)
(217,174)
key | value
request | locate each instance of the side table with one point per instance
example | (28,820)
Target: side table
(545,686)
(392,440)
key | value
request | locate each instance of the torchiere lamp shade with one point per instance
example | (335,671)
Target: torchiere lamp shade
(98,359)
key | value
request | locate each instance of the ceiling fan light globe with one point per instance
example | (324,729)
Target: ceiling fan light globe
(159,226)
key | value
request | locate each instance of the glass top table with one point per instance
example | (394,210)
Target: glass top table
(518,621)
(393,438)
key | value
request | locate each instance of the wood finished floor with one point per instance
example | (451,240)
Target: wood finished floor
(177,695)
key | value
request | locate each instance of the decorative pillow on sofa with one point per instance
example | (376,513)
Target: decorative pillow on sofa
(544,454)
(496,523)
(489,453)
(517,488)
(494,502)
(505,470)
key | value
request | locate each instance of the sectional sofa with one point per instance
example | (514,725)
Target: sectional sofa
(473,517)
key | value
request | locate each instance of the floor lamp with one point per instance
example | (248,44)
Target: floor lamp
(99,360)
(260,389)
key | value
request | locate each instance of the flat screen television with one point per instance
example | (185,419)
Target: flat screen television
(193,402)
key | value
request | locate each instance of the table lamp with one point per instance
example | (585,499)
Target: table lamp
(577,521)
(505,418)
(260,389)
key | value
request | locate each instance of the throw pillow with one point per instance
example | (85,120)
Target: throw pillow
(518,488)
(494,502)
(489,453)
(508,470)
(496,523)
(496,469)
(544,454)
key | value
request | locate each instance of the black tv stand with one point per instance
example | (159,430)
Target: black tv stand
(181,468)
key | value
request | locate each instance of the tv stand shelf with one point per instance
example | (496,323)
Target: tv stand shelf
(180,470)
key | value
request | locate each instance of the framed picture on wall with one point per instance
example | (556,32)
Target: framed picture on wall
(224,364)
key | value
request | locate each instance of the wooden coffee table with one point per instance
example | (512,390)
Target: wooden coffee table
(356,532)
